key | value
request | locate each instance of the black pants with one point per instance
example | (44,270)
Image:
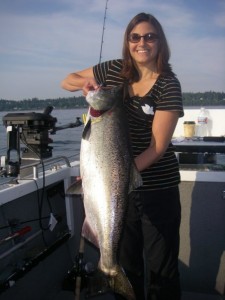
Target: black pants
(150,244)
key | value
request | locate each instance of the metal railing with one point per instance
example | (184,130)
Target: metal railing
(36,166)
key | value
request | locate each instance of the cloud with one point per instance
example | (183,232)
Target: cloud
(198,65)
(220,20)
(41,44)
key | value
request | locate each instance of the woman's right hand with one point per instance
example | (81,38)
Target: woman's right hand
(82,80)
(90,85)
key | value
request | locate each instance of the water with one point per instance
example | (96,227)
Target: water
(66,142)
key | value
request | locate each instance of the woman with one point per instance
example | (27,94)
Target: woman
(150,242)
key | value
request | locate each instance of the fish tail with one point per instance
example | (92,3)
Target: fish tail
(120,284)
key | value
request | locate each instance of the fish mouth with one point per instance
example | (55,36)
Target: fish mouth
(105,90)
(104,98)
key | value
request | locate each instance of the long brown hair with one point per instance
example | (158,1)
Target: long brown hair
(129,72)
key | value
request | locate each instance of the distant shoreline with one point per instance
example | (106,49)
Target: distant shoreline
(76,108)
(190,100)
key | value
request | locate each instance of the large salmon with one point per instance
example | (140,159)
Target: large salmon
(108,175)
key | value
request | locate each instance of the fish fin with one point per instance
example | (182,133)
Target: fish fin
(120,284)
(135,179)
(87,129)
(75,188)
(97,284)
(89,234)
(101,283)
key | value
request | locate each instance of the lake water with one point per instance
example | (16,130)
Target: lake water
(66,142)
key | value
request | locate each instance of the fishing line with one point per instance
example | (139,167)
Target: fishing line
(103,31)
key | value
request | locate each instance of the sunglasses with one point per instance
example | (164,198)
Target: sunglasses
(148,37)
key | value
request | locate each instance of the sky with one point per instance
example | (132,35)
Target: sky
(42,41)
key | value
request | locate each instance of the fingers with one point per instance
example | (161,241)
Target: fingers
(90,85)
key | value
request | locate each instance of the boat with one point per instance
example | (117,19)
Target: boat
(40,245)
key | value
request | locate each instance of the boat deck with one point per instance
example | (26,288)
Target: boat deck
(197,296)
(65,295)
(201,257)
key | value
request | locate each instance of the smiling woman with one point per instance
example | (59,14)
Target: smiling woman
(143,46)
(153,104)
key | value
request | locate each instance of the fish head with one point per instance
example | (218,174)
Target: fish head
(104,99)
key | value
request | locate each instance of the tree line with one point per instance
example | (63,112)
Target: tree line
(37,104)
(189,99)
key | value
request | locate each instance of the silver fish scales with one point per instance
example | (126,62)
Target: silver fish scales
(108,175)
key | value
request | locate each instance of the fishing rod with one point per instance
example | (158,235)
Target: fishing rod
(103,30)
(79,265)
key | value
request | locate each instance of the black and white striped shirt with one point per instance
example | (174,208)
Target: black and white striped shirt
(164,95)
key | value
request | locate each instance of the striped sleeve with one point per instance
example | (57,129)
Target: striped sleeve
(169,95)
(108,72)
